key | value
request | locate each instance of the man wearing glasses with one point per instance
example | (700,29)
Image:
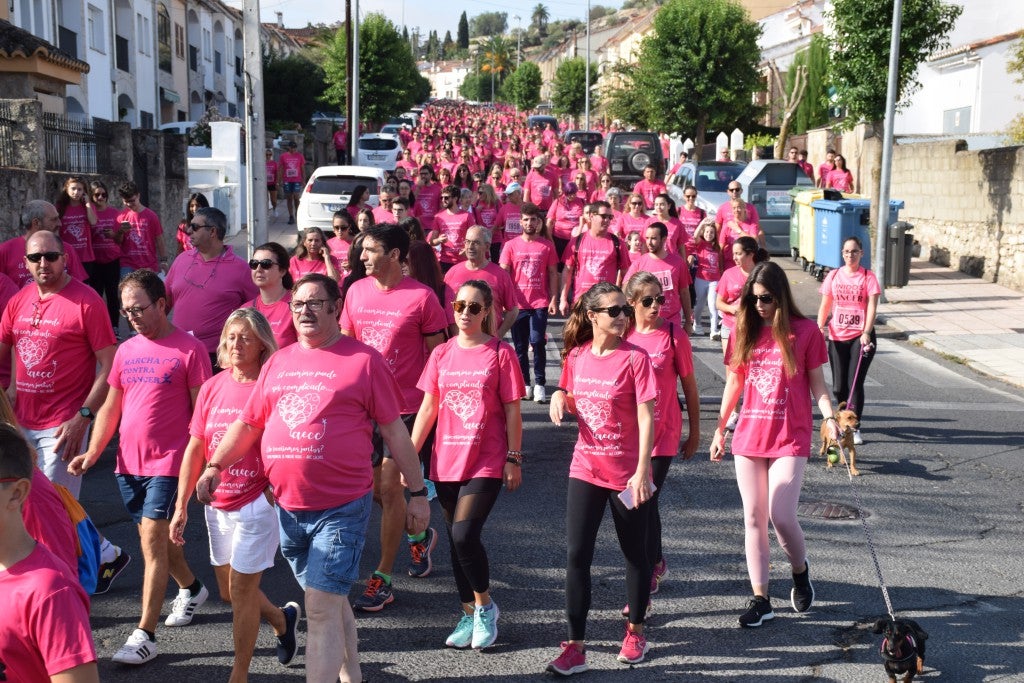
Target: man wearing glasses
(154,381)
(736,218)
(594,256)
(450,226)
(207,282)
(428,198)
(140,233)
(478,266)
(36,215)
(311,410)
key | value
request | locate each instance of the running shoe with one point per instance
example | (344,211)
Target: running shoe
(659,573)
(634,647)
(138,649)
(540,393)
(698,330)
(287,645)
(573,660)
(421,566)
(802,595)
(759,610)
(184,606)
(462,636)
(377,594)
(485,625)
(650,608)
(110,571)
(858,440)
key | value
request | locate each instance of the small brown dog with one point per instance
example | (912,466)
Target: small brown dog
(848,423)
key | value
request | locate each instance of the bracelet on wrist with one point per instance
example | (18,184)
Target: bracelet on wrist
(214,466)
(514,457)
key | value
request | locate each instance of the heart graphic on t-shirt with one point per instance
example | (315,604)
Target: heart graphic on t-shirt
(31,350)
(594,267)
(74,230)
(765,380)
(463,404)
(296,409)
(529,269)
(215,440)
(378,339)
(594,413)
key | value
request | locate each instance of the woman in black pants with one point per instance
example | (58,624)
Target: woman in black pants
(610,385)
(106,269)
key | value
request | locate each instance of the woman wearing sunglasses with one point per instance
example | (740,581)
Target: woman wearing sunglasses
(106,247)
(609,384)
(634,218)
(472,386)
(775,359)
(669,348)
(270,275)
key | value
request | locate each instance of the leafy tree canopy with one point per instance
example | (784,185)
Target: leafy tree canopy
(463,34)
(522,88)
(488,24)
(568,90)
(298,76)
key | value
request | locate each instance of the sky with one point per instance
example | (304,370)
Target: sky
(428,15)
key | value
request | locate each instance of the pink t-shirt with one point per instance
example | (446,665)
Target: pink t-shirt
(649,189)
(530,263)
(730,288)
(597,261)
(677,238)
(46,520)
(539,189)
(272,171)
(472,387)
(394,322)
(315,407)
(629,223)
(671,360)
(45,629)
(7,291)
(156,377)
(501,286)
(598,164)
(840,180)
(454,227)
(339,247)
(279,315)
(77,233)
(304,266)
(566,215)
(219,403)
(138,249)
(606,391)
(850,293)
(12,262)
(729,227)
(690,220)
(428,203)
(205,292)
(487,216)
(776,418)
(674,276)
(709,261)
(292,166)
(823,171)
(104,248)
(508,219)
(55,342)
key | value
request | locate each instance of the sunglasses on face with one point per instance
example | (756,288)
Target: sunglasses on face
(50,256)
(99,195)
(265,264)
(735,189)
(636,203)
(616,311)
(762,298)
(690,196)
(474,307)
(648,301)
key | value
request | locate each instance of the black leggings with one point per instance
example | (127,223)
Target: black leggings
(466,505)
(843,357)
(585,506)
(104,278)
(659,468)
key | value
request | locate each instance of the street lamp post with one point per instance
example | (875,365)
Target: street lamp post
(519,40)
(586,78)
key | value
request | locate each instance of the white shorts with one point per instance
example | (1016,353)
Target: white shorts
(246,538)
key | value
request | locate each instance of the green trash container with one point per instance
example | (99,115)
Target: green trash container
(805,224)
(794,223)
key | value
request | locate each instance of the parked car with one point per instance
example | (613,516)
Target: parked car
(711,178)
(335,117)
(542,121)
(630,153)
(590,139)
(379,151)
(391,129)
(329,189)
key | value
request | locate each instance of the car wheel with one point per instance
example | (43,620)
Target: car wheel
(639,161)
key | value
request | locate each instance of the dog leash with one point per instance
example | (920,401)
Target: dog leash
(850,403)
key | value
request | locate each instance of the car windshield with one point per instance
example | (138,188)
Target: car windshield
(634,143)
(716,178)
(341,184)
(378,144)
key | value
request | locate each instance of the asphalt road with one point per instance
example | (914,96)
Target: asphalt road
(940,485)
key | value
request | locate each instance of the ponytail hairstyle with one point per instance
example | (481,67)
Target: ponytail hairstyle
(749,323)
(485,290)
(639,281)
(578,329)
(750,246)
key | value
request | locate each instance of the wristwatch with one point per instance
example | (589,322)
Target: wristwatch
(418,494)
(87,413)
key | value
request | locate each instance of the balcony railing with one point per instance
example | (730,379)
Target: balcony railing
(70,144)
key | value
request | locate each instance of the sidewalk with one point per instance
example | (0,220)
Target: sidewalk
(978,323)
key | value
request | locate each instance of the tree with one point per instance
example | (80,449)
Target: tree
(389,82)
(599,11)
(448,46)
(697,71)
(1015,67)
(813,111)
(498,59)
(539,19)
(568,90)
(488,24)
(476,87)
(626,102)
(463,34)
(791,99)
(298,76)
(522,88)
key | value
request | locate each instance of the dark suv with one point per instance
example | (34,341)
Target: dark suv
(630,153)
(589,139)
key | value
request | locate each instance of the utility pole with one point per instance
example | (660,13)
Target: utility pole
(586,83)
(882,227)
(353,122)
(348,78)
(256,178)
(519,40)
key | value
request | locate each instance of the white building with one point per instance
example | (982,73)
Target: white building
(446,77)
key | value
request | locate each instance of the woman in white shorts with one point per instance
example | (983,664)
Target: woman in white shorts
(242,521)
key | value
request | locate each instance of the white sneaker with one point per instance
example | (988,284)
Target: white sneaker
(858,440)
(540,394)
(138,649)
(698,329)
(184,606)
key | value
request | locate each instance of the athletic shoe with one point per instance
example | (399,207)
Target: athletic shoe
(485,625)
(291,220)
(138,649)
(287,645)
(858,440)
(658,575)
(462,636)
(758,611)
(716,336)
(730,425)
(376,595)
(802,595)
(420,566)
(184,606)
(110,571)
(540,394)
(698,329)
(650,608)
(573,660)
(634,647)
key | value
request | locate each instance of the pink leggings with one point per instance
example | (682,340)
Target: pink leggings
(770,489)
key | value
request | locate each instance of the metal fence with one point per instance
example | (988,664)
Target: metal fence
(7,126)
(71,144)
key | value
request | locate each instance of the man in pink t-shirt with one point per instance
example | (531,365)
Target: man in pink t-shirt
(428,198)
(293,175)
(312,412)
(650,187)
(671,271)
(64,349)
(737,217)
(36,215)
(592,257)
(154,381)
(140,233)
(827,167)
(45,633)
(541,185)
(403,320)
(382,212)
(477,266)
(450,226)
(508,214)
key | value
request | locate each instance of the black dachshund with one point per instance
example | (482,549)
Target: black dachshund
(902,647)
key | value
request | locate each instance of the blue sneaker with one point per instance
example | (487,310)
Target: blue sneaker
(377,594)
(462,636)
(485,625)
(420,565)
(287,645)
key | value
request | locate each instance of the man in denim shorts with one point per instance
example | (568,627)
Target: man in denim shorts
(312,412)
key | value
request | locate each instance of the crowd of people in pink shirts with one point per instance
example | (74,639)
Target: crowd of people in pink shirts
(238,378)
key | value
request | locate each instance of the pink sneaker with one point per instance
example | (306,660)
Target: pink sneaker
(634,647)
(647,614)
(659,573)
(573,660)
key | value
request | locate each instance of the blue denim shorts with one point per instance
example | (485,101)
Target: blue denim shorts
(324,547)
(148,497)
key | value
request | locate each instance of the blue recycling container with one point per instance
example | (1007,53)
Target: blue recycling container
(837,221)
